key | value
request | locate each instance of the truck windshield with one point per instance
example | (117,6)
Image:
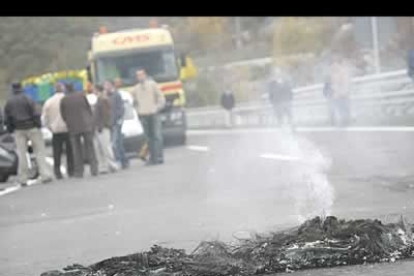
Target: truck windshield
(161,65)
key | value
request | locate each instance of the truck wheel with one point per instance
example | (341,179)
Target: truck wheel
(182,140)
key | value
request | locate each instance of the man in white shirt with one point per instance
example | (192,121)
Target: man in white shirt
(52,119)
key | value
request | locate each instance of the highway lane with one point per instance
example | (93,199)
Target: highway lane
(220,184)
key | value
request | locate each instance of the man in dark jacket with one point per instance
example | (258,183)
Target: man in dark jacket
(280,96)
(77,114)
(410,64)
(328,93)
(117,119)
(228,102)
(23,119)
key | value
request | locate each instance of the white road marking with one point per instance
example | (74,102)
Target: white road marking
(280,157)
(10,190)
(198,148)
(17,187)
(301,129)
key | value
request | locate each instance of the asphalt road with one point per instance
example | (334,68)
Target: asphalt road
(222,184)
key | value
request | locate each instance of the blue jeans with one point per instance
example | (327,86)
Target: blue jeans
(340,111)
(118,145)
(153,130)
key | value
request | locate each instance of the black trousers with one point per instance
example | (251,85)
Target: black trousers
(78,147)
(60,141)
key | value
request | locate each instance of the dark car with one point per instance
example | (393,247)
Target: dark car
(9,159)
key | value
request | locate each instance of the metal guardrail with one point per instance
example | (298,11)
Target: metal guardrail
(373,98)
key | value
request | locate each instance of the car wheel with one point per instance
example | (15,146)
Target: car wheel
(4,178)
(182,140)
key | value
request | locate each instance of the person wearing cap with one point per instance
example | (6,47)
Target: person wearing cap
(24,120)
(53,120)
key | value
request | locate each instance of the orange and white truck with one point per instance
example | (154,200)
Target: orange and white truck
(119,54)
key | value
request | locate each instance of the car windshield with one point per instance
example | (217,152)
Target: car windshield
(161,65)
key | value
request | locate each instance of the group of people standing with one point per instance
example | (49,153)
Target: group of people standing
(86,126)
(279,90)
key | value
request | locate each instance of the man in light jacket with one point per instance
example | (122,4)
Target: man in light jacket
(149,101)
(54,122)
(341,85)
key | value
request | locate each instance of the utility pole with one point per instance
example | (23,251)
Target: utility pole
(375,44)
(237,23)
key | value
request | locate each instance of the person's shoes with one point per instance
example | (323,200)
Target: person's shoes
(153,163)
(143,158)
(150,163)
(59,177)
(23,184)
(47,180)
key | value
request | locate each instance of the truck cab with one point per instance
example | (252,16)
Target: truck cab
(120,54)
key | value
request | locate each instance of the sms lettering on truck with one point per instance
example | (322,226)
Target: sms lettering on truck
(131,39)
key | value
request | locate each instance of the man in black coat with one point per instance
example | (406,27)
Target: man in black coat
(410,64)
(77,114)
(281,96)
(22,118)
(228,103)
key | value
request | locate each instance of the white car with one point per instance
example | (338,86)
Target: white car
(132,129)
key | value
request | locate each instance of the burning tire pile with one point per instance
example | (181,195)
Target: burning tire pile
(316,243)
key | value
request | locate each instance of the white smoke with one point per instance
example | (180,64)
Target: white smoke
(309,187)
